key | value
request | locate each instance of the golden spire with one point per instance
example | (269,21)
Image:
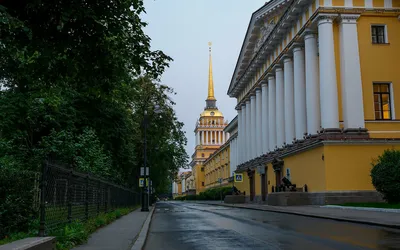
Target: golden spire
(210,77)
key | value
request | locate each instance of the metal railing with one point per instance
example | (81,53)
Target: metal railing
(67,195)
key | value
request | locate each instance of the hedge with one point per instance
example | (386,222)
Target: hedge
(18,206)
(209,194)
(386,175)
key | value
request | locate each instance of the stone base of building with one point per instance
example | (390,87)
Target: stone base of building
(322,198)
(233,199)
(191,192)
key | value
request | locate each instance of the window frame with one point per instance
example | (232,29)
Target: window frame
(391,101)
(385,33)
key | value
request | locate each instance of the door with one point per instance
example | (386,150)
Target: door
(252,187)
(278,180)
(264,188)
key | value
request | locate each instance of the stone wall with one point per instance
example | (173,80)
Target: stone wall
(233,199)
(322,198)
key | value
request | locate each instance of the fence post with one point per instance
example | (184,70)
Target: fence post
(87,198)
(43,185)
(98,197)
(69,196)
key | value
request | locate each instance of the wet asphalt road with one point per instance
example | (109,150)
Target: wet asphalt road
(181,226)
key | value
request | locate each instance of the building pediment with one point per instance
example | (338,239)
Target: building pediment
(261,24)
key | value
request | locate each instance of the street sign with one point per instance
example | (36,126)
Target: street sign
(142,171)
(219,180)
(141,182)
(238,177)
(261,169)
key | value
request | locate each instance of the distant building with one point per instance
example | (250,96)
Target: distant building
(209,132)
(218,165)
(317,86)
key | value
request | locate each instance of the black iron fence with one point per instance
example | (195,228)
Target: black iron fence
(66,195)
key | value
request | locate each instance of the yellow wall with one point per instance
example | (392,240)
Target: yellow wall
(217,166)
(348,166)
(379,63)
(245,185)
(306,168)
(199,178)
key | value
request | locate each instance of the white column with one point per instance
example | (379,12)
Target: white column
(259,116)
(231,161)
(202,137)
(300,115)
(207,137)
(271,113)
(327,73)
(223,138)
(240,129)
(280,111)
(248,130)
(312,83)
(350,71)
(228,135)
(253,127)
(289,100)
(244,134)
(264,119)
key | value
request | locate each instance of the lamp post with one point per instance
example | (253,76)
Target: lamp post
(145,199)
(146,188)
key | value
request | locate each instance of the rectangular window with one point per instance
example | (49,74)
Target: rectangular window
(202,169)
(202,183)
(378,33)
(382,101)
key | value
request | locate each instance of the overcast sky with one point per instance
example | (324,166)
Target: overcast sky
(182,30)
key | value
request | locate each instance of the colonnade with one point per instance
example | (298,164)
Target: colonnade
(300,94)
(211,137)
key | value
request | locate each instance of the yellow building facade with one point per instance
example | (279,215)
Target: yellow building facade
(217,168)
(209,132)
(317,87)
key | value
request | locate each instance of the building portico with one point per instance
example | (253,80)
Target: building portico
(299,88)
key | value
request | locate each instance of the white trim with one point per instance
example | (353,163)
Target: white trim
(388,4)
(392,101)
(368,4)
(382,132)
(382,121)
(328,3)
(348,3)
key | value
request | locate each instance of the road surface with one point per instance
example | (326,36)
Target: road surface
(181,226)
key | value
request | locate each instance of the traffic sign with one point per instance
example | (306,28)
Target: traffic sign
(141,182)
(238,177)
(142,171)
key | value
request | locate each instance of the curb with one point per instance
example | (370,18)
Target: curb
(141,239)
(396,226)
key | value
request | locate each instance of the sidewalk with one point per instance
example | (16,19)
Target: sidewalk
(349,215)
(121,234)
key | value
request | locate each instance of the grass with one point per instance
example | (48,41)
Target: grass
(373,205)
(75,233)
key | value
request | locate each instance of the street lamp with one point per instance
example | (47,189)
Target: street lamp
(146,188)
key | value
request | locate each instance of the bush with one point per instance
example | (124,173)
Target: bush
(386,175)
(17,205)
(209,194)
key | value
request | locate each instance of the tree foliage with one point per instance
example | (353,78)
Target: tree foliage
(77,76)
(386,175)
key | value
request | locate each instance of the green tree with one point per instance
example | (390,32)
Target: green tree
(73,89)
(386,175)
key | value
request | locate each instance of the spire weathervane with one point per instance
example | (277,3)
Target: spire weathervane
(210,77)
